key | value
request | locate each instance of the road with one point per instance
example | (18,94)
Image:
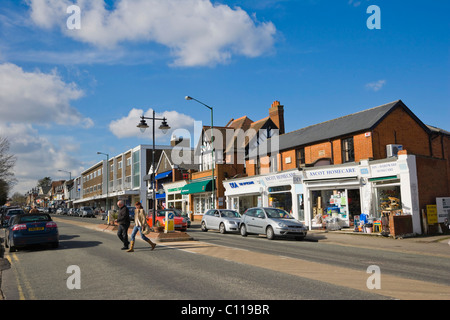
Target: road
(228,267)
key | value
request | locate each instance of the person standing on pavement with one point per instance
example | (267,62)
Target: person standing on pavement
(123,220)
(141,226)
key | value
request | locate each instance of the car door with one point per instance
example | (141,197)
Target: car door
(214,219)
(260,221)
(207,218)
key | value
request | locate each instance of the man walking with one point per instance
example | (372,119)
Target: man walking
(123,219)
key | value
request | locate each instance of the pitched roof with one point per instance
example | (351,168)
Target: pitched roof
(352,123)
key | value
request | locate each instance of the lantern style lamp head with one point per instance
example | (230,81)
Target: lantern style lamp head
(164,127)
(142,125)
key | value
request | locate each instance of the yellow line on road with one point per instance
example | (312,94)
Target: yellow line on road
(20,275)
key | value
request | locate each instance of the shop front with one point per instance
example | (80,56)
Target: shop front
(284,190)
(332,192)
(393,191)
(377,193)
(174,198)
(200,193)
(241,194)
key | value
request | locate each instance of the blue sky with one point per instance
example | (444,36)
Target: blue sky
(66,94)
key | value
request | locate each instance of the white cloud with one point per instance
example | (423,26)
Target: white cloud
(126,127)
(37,156)
(36,97)
(197,32)
(376,86)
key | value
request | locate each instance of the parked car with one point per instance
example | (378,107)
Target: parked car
(224,220)
(86,212)
(186,216)
(272,222)
(10,213)
(30,229)
(179,222)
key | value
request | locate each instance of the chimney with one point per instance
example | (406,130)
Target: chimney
(180,142)
(276,114)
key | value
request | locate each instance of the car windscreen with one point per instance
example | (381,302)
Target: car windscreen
(14,212)
(34,218)
(277,214)
(230,214)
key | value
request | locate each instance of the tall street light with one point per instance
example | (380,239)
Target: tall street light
(70,173)
(107,183)
(164,127)
(212,148)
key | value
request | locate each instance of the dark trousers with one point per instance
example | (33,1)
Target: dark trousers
(122,233)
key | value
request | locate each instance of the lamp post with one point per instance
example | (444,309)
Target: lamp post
(164,127)
(70,173)
(107,183)
(212,148)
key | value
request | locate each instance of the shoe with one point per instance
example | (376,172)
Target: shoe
(124,248)
(152,244)
(132,247)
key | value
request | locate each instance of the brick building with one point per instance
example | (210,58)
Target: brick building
(342,160)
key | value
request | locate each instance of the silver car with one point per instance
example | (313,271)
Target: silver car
(224,220)
(272,222)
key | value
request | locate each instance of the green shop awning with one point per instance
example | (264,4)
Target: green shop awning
(197,187)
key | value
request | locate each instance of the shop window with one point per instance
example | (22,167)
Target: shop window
(348,151)
(281,201)
(387,200)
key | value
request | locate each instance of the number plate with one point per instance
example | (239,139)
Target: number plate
(36,229)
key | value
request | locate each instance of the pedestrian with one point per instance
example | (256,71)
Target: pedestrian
(34,210)
(141,226)
(123,219)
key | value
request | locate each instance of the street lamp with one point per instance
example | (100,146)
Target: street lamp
(164,127)
(107,183)
(212,148)
(70,173)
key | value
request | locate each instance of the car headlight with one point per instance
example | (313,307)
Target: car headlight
(231,222)
(282,225)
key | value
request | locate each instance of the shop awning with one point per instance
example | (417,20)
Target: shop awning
(163,175)
(197,187)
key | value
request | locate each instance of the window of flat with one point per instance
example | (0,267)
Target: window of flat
(348,151)
(300,157)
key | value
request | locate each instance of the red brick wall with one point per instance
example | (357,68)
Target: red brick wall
(433,180)
(399,128)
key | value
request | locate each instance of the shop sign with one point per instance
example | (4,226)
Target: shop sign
(283,178)
(330,173)
(235,185)
(432,217)
(443,209)
(384,169)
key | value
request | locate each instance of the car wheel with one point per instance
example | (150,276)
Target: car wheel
(222,229)
(269,233)
(204,228)
(243,230)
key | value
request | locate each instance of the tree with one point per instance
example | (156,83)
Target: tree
(7,162)
(19,199)
(45,182)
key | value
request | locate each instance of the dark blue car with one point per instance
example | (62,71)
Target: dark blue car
(30,229)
